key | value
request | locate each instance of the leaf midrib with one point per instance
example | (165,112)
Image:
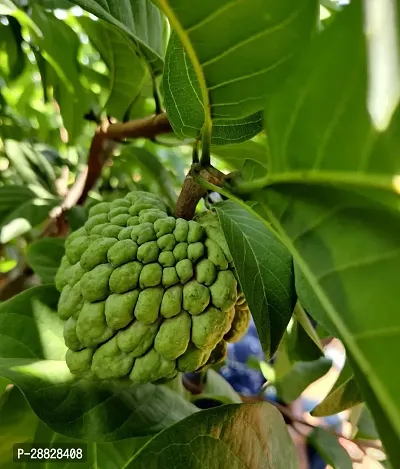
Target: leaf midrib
(312,177)
(341,327)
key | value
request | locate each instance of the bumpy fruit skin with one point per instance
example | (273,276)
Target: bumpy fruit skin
(144,295)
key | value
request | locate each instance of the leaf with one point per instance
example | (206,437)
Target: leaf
(44,256)
(311,330)
(140,19)
(15,153)
(52,39)
(366,428)
(300,376)
(127,71)
(223,437)
(217,386)
(328,446)
(332,197)
(300,346)
(344,395)
(11,197)
(17,422)
(12,37)
(264,269)
(185,108)
(25,217)
(150,164)
(322,133)
(237,155)
(236,52)
(32,354)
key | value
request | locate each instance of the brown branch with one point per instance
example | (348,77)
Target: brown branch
(148,127)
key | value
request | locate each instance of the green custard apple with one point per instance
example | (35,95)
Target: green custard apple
(145,295)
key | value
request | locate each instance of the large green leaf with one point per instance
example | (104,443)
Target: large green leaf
(19,424)
(44,256)
(127,71)
(140,19)
(344,395)
(264,269)
(235,436)
(320,132)
(236,53)
(183,101)
(344,240)
(32,354)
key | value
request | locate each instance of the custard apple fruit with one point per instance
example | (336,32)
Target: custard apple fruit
(145,295)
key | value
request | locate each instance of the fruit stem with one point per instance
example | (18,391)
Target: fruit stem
(192,192)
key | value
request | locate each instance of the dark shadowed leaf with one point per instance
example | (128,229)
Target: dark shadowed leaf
(232,436)
(366,428)
(328,446)
(264,269)
(44,256)
(32,354)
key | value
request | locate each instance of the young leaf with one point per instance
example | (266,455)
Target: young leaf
(300,376)
(344,395)
(224,437)
(44,256)
(239,51)
(217,386)
(117,50)
(328,446)
(140,19)
(237,154)
(32,352)
(264,269)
